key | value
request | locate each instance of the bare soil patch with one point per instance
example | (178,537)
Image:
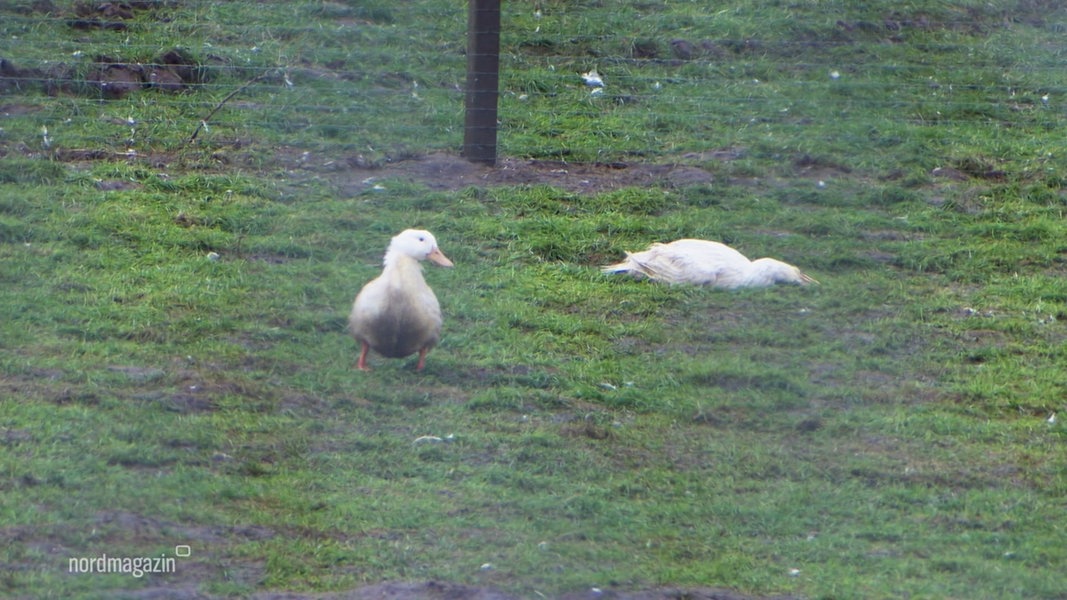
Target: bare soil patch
(442,171)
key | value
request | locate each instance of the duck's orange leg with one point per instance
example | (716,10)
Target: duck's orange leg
(422,359)
(362,364)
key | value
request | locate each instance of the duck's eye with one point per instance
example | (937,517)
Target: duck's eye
(422,239)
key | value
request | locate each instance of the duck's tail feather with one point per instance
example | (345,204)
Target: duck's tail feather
(631,266)
(623,267)
(635,265)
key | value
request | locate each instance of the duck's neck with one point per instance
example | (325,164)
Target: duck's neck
(401,263)
(767,271)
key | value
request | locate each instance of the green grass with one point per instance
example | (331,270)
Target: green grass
(881,435)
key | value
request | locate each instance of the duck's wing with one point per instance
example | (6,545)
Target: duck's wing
(699,262)
(660,265)
(367,309)
(705,262)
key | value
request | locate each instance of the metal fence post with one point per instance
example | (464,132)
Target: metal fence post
(483,80)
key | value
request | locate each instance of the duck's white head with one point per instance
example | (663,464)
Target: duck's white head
(417,244)
(768,271)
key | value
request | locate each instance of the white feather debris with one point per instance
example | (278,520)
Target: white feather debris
(1051,420)
(373,183)
(434,439)
(592,79)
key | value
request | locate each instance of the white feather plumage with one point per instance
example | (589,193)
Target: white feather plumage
(397,314)
(702,262)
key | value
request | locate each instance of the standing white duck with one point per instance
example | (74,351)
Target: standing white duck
(397,314)
(706,263)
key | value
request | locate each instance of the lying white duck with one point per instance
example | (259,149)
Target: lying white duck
(706,263)
(397,314)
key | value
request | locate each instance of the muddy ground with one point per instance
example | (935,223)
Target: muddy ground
(443,171)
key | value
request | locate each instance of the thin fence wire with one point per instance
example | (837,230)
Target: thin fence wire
(354,84)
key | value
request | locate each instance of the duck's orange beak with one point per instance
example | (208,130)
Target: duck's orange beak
(438,258)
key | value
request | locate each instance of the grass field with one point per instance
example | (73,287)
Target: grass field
(176,380)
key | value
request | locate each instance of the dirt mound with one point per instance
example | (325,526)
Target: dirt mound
(171,71)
